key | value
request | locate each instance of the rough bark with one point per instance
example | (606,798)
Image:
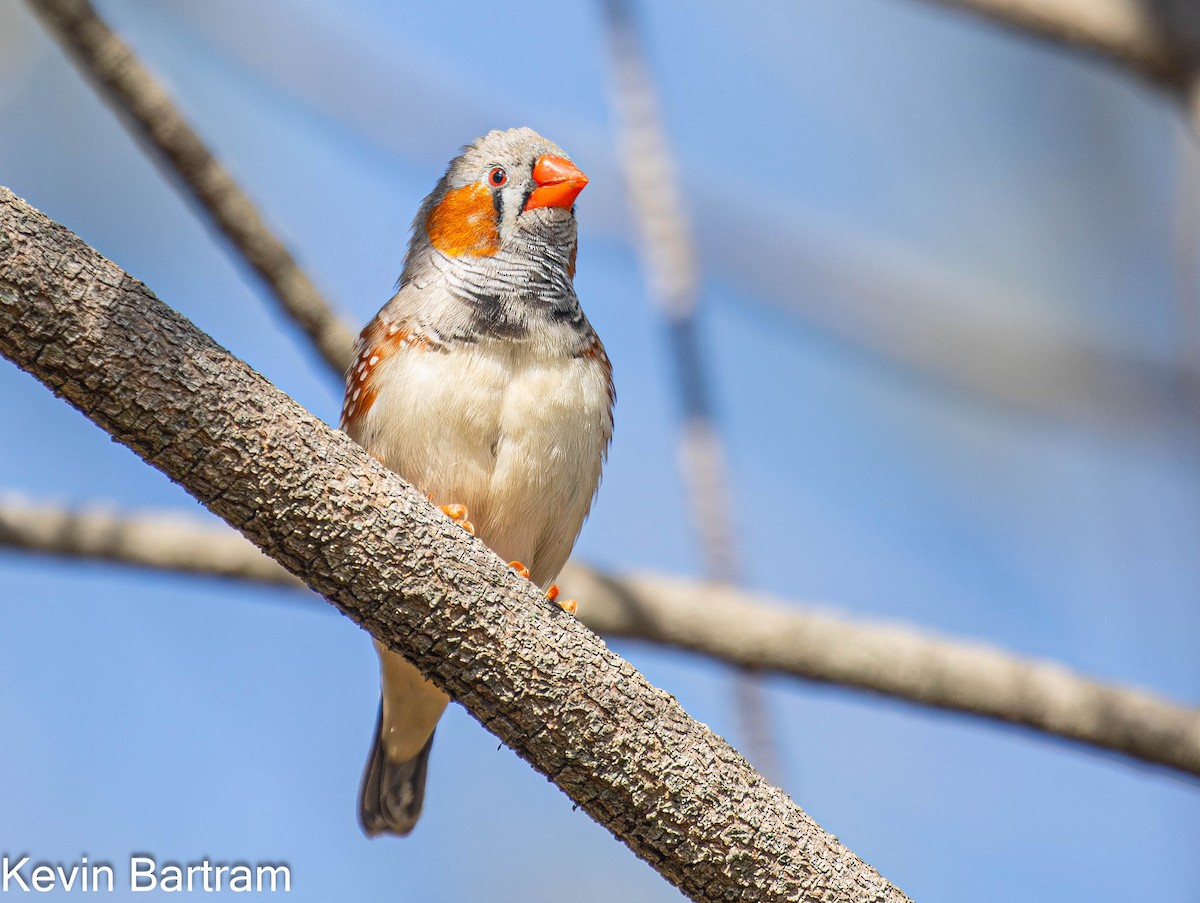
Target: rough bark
(727,624)
(678,795)
(133,91)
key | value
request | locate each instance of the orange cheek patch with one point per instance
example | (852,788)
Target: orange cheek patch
(378,342)
(464,223)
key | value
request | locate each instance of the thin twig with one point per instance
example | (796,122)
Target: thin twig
(146,108)
(669,257)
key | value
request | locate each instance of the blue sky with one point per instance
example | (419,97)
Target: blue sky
(836,157)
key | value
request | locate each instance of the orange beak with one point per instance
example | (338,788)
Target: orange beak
(559,182)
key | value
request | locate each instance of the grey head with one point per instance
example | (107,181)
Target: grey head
(498,232)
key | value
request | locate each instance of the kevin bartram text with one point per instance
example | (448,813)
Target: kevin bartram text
(141,873)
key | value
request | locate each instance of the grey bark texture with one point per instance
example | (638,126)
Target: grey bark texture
(678,795)
(133,91)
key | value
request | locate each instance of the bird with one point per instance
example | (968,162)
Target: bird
(482,383)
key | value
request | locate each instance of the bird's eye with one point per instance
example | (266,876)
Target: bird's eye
(497,177)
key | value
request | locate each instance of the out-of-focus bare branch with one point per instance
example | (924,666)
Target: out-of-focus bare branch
(148,111)
(1158,39)
(893,660)
(152,539)
(727,624)
(669,258)
(951,328)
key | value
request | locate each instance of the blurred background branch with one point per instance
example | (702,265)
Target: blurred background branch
(148,111)
(668,257)
(1157,39)
(739,628)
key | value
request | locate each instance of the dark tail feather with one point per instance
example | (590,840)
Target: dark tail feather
(392,792)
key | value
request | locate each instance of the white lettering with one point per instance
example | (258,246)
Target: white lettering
(13,873)
(43,878)
(239,879)
(66,882)
(275,870)
(141,867)
(204,868)
(145,874)
(172,878)
(102,869)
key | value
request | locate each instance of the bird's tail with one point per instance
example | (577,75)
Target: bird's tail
(392,792)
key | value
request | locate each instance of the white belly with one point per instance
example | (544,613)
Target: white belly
(516,437)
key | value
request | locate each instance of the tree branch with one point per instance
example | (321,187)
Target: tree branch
(1158,39)
(159,540)
(678,795)
(150,114)
(726,624)
(668,255)
(893,660)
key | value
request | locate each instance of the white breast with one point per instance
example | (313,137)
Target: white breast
(515,435)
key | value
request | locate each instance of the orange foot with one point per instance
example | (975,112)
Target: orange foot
(458,514)
(567,605)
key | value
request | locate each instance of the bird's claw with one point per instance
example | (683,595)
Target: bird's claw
(458,514)
(567,605)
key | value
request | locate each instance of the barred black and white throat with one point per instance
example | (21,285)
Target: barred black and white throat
(510,267)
